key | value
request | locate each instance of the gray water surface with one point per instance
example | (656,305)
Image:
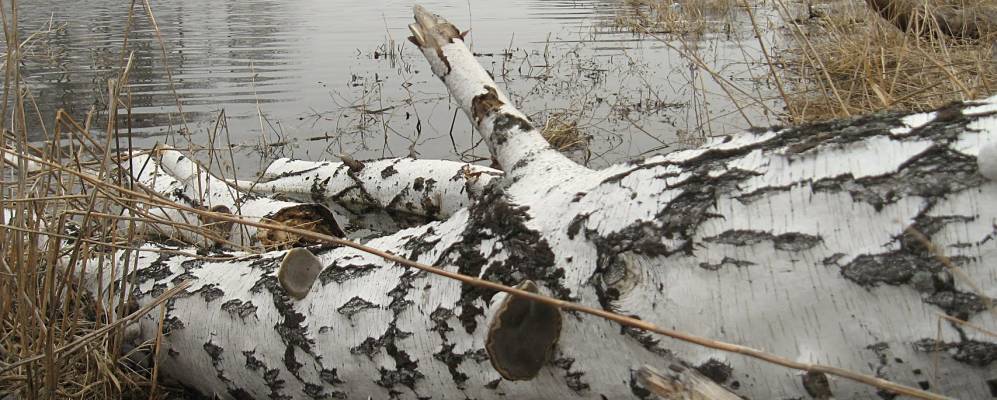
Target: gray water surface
(317,78)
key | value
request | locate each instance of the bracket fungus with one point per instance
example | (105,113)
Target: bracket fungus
(298,271)
(522,335)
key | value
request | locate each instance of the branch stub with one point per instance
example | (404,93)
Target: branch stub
(522,335)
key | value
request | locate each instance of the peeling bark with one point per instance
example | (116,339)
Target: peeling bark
(790,240)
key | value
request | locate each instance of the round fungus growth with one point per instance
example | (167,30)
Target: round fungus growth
(298,271)
(522,335)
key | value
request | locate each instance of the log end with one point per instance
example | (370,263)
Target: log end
(522,335)
(431,30)
(313,217)
(298,271)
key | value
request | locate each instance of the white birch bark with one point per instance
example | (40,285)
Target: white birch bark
(177,177)
(432,188)
(789,240)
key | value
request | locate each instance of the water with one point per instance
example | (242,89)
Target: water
(317,78)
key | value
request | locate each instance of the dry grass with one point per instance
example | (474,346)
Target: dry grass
(57,338)
(666,16)
(563,132)
(847,60)
(853,62)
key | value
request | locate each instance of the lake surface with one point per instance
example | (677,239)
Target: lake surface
(313,78)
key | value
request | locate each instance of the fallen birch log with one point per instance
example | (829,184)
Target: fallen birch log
(180,179)
(797,241)
(432,188)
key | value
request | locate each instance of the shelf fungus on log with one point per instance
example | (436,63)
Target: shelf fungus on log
(298,270)
(177,177)
(522,335)
(431,188)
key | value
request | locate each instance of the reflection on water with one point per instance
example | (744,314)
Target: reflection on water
(316,78)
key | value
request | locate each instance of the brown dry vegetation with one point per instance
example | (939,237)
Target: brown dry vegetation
(850,61)
(666,16)
(843,59)
(57,339)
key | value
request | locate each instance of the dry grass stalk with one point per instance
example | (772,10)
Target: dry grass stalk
(853,62)
(667,16)
(562,131)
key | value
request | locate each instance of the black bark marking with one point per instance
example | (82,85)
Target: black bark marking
(239,308)
(726,261)
(440,316)
(290,326)
(422,244)
(330,376)
(171,324)
(793,241)
(339,274)
(971,352)
(430,206)
(215,352)
(504,124)
(156,271)
(529,255)
(406,370)
(354,306)
(817,385)
(572,379)
(318,189)
(958,304)
(915,265)
(388,171)
(240,394)
(718,371)
(452,360)
(210,293)
(270,375)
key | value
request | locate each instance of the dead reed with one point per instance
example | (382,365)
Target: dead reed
(845,59)
(851,61)
(673,17)
(58,339)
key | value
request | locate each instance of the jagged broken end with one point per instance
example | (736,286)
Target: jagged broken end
(431,30)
